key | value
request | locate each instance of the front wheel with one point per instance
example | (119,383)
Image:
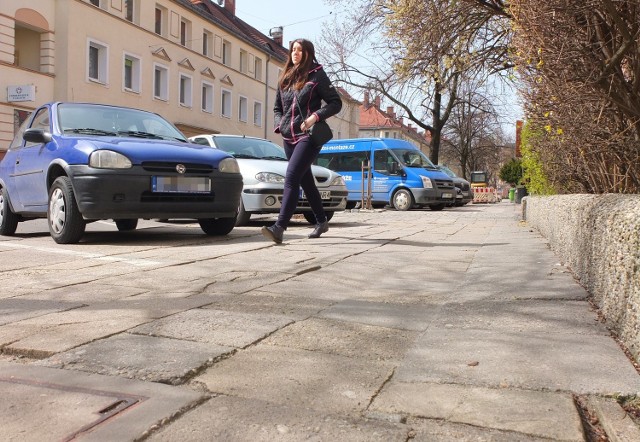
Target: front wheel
(8,219)
(402,200)
(125,225)
(217,226)
(243,216)
(66,224)
(311,218)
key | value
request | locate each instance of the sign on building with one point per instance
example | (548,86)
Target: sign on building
(22,92)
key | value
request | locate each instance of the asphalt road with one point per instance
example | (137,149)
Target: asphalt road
(421,325)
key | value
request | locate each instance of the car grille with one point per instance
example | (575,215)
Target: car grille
(170,167)
(327,204)
(152,197)
(444,184)
(462,186)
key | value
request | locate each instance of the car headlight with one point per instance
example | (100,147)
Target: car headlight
(268,177)
(229,165)
(338,181)
(108,159)
(426,182)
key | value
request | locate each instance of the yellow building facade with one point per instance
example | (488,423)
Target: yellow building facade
(191,61)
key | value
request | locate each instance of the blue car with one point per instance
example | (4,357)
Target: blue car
(74,163)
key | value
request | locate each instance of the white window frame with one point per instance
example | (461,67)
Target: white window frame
(102,60)
(135,10)
(207,43)
(243,108)
(226,104)
(163,20)
(206,99)
(185,90)
(164,82)
(257,68)
(226,52)
(136,73)
(257,113)
(244,60)
(185,38)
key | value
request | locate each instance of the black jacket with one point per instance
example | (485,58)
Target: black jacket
(317,89)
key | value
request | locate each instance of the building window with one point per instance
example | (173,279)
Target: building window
(132,70)
(207,97)
(98,55)
(257,68)
(257,113)
(243,61)
(185,90)
(131,8)
(207,44)
(226,53)
(225,103)
(243,110)
(161,20)
(95,2)
(185,33)
(160,82)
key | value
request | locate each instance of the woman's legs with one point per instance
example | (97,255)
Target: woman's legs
(301,156)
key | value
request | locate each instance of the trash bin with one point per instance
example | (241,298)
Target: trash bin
(521,192)
(512,194)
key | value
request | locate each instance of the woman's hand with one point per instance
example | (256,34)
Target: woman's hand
(310,121)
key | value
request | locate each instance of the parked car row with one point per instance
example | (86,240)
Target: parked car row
(75,163)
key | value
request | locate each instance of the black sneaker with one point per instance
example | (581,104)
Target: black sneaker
(274,233)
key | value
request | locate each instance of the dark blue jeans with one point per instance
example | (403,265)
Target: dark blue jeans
(301,156)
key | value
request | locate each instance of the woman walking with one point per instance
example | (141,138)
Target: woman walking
(302,88)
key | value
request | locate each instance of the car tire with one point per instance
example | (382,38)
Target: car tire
(217,226)
(402,200)
(436,207)
(66,224)
(311,218)
(125,225)
(8,219)
(243,216)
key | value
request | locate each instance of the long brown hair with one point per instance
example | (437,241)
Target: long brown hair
(295,76)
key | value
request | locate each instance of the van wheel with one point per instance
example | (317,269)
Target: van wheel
(402,200)
(243,215)
(311,218)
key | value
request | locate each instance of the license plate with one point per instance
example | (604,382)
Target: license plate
(324,194)
(446,195)
(180,184)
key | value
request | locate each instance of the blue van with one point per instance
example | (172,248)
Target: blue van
(401,175)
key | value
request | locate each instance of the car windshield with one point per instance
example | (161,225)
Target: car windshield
(413,158)
(99,120)
(253,148)
(448,171)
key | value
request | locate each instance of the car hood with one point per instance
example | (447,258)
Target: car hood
(249,168)
(139,150)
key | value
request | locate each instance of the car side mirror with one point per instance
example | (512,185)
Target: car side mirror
(36,136)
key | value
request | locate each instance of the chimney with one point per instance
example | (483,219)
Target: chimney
(276,34)
(230,5)
(390,112)
(366,99)
(378,101)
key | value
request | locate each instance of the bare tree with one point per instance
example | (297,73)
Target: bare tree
(415,54)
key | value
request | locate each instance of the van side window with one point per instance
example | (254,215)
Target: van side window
(343,161)
(382,160)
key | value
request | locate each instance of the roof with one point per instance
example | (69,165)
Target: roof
(235,26)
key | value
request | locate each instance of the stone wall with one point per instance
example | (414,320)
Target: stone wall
(598,236)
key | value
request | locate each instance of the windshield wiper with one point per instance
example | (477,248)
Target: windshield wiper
(135,133)
(90,131)
(244,155)
(273,157)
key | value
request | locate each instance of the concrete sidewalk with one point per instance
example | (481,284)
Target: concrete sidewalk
(430,326)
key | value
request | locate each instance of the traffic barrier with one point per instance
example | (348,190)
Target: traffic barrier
(485,195)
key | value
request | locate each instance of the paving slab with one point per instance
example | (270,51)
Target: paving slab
(618,425)
(438,430)
(147,358)
(41,403)
(251,420)
(555,361)
(262,302)
(345,338)
(333,384)
(539,414)
(214,326)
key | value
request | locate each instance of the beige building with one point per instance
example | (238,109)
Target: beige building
(192,61)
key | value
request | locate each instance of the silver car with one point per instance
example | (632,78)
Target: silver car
(263,165)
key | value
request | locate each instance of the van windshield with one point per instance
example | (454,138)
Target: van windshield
(413,158)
